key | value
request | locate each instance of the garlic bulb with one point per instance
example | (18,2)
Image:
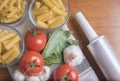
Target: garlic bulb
(44,75)
(73,55)
(18,75)
(32,78)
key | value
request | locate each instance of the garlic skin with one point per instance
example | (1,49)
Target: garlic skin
(32,78)
(44,75)
(73,55)
(18,75)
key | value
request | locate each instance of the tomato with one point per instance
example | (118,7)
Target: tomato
(31,63)
(35,40)
(65,72)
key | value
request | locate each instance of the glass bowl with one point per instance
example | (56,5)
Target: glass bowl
(11,29)
(32,18)
(20,19)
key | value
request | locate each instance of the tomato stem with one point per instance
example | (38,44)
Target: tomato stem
(32,65)
(33,32)
(66,77)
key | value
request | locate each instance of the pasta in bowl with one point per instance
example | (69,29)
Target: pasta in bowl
(11,45)
(49,14)
(13,12)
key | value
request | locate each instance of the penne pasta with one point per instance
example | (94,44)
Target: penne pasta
(61,5)
(1,33)
(7,36)
(37,5)
(48,18)
(8,46)
(45,15)
(5,31)
(6,41)
(12,2)
(57,23)
(12,13)
(19,4)
(57,11)
(42,24)
(55,3)
(9,20)
(12,42)
(53,20)
(5,2)
(11,10)
(48,3)
(12,57)
(0,48)
(0,59)
(42,10)
(17,46)
(50,14)
(8,53)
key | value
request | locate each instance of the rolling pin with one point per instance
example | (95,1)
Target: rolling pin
(101,50)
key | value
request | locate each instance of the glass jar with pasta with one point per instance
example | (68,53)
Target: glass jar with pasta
(13,12)
(49,14)
(11,45)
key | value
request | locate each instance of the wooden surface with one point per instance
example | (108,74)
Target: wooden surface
(103,15)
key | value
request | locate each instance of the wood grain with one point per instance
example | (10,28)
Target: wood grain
(103,15)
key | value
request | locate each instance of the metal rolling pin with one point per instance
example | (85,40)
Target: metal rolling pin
(101,50)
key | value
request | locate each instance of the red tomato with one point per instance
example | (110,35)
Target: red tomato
(31,63)
(65,72)
(35,40)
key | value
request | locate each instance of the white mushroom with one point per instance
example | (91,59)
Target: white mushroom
(73,55)
(32,78)
(44,75)
(18,75)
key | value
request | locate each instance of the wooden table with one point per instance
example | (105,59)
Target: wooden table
(103,15)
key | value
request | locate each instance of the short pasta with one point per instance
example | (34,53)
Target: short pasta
(49,13)
(11,10)
(9,46)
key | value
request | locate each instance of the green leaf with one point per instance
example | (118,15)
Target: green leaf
(57,42)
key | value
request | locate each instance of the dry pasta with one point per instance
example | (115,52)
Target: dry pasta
(37,5)
(0,48)
(11,10)
(3,32)
(7,54)
(61,5)
(43,9)
(14,55)
(9,46)
(5,2)
(57,11)
(53,20)
(44,16)
(7,36)
(48,3)
(12,42)
(6,41)
(49,13)
(40,23)
(0,59)
(19,4)
(59,21)
(55,3)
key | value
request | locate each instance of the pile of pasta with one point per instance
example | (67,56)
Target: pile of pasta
(49,13)
(9,46)
(11,10)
